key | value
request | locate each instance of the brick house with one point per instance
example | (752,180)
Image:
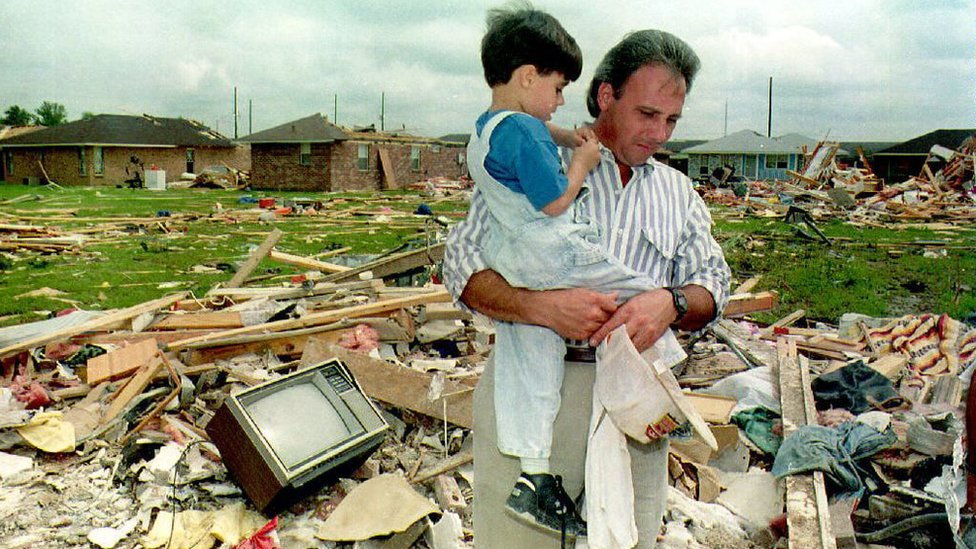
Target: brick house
(111,149)
(312,154)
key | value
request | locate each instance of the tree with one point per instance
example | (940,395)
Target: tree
(16,116)
(51,114)
(87,115)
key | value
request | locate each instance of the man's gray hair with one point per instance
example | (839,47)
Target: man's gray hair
(637,49)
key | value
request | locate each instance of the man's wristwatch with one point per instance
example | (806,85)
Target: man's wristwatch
(680,302)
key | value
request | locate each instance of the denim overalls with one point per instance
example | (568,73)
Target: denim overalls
(533,250)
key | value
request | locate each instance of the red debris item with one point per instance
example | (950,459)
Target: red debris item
(781,330)
(265,538)
(31,393)
(362,338)
(266,203)
(60,350)
(65,312)
(298,279)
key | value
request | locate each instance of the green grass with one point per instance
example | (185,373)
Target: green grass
(873,271)
(879,271)
(141,261)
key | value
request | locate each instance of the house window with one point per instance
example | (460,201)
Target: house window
(98,161)
(776,161)
(461,159)
(435,149)
(82,167)
(9,160)
(415,158)
(363,160)
(305,155)
(189,160)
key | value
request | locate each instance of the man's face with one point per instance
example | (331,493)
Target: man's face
(636,124)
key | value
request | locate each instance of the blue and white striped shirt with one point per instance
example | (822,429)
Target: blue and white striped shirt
(656,224)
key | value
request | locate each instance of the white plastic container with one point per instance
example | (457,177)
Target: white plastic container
(156,180)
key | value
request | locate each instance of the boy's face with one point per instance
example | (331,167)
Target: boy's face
(544,94)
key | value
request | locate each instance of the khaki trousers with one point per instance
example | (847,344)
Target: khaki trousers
(495,473)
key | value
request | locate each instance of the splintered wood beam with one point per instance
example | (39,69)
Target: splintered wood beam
(254,259)
(807,511)
(306,262)
(752,351)
(94,324)
(317,319)
(394,264)
(740,304)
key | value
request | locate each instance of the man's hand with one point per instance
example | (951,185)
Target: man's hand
(647,316)
(573,313)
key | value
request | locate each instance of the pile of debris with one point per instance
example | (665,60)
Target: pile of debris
(104,416)
(943,190)
(110,420)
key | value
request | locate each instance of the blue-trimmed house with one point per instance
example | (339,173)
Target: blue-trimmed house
(753,155)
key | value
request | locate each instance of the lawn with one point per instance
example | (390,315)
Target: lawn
(144,244)
(136,252)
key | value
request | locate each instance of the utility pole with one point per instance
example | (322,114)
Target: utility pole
(726,130)
(335,109)
(250,116)
(382,111)
(235,112)
(769,115)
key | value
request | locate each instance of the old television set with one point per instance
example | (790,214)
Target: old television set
(287,437)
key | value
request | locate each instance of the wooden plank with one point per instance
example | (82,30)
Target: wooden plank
(196,321)
(94,324)
(136,385)
(252,261)
(399,385)
(740,304)
(752,351)
(389,171)
(713,408)
(318,319)
(807,513)
(120,362)
(306,262)
(747,286)
(394,264)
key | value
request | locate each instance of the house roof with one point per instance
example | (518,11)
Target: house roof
(6,132)
(118,129)
(456,138)
(922,144)
(869,147)
(311,129)
(748,141)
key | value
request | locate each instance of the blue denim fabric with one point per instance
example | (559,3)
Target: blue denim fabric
(537,251)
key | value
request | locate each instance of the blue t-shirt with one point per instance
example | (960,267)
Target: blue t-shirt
(524,158)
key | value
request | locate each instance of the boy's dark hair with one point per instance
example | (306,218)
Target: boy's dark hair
(637,49)
(525,36)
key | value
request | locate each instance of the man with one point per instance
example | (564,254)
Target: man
(649,218)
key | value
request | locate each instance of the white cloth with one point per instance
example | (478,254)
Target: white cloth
(610,520)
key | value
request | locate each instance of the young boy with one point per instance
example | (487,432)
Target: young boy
(538,239)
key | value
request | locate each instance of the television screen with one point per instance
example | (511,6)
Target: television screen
(294,438)
(292,433)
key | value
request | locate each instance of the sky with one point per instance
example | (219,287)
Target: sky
(852,70)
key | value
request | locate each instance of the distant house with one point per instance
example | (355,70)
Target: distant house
(900,162)
(6,132)
(110,149)
(672,153)
(313,154)
(753,155)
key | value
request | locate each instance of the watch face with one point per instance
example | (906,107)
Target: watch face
(680,301)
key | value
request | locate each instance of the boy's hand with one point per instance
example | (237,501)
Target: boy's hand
(583,134)
(587,154)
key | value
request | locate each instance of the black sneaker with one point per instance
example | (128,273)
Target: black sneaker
(540,500)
